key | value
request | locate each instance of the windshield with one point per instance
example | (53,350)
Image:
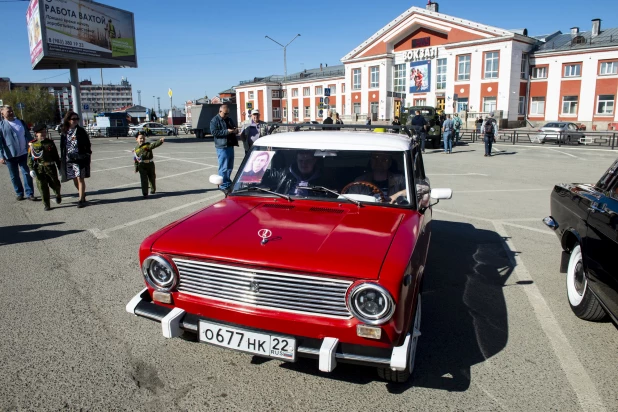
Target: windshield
(328,175)
(555,125)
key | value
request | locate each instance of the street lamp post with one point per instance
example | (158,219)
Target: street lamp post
(285,68)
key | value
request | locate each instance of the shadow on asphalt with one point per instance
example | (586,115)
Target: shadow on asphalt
(464,315)
(503,153)
(10,235)
(93,201)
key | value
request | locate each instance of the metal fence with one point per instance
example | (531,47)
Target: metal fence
(606,140)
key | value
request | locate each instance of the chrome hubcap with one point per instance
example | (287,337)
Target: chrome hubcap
(580,279)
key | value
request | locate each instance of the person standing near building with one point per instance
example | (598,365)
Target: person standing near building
(75,153)
(479,124)
(449,128)
(328,120)
(224,132)
(396,122)
(252,130)
(44,163)
(457,127)
(419,123)
(144,164)
(14,139)
(489,130)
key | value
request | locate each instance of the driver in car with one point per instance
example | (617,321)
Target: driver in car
(392,185)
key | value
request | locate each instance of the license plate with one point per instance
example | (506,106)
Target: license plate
(272,346)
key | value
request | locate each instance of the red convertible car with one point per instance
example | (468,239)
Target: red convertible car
(318,250)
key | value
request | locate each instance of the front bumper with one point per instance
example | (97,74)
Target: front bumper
(328,350)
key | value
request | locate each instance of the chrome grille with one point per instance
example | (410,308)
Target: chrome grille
(264,289)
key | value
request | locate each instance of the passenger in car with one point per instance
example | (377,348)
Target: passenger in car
(381,175)
(305,171)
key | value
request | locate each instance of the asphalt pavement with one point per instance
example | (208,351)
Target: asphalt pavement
(497,330)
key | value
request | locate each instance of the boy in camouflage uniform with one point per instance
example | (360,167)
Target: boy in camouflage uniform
(142,156)
(44,162)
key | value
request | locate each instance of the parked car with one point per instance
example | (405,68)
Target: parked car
(585,218)
(563,132)
(304,257)
(155,129)
(185,128)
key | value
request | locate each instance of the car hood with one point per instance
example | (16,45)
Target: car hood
(306,236)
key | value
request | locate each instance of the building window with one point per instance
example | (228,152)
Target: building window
(375,76)
(537,106)
(463,67)
(462,104)
(306,91)
(275,94)
(250,95)
(285,112)
(399,78)
(572,70)
(539,73)
(605,106)
(342,87)
(489,104)
(294,92)
(441,74)
(356,108)
(333,89)
(420,102)
(356,79)
(491,65)
(295,112)
(307,112)
(523,73)
(609,68)
(285,94)
(520,107)
(318,90)
(569,105)
(276,113)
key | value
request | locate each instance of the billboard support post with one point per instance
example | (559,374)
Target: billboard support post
(75,97)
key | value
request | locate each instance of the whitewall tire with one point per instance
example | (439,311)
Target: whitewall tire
(583,303)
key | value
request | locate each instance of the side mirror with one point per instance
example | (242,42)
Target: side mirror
(215,179)
(441,193)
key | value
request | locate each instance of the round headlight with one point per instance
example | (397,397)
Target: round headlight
(159,273)
(371,304)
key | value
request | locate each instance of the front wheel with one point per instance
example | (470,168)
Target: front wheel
(404,375)
(583,303)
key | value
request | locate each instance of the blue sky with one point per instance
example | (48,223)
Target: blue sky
(201,47)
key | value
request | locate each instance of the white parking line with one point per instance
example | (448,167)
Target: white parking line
(564,153)
(125,167)
(503,222)
(165,177)
(111,158)
(564,148)
(186,161)
(102,234)
(533,229)
(458,174)
(576,374)
(503,190)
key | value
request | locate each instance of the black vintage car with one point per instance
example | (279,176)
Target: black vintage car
(585,218)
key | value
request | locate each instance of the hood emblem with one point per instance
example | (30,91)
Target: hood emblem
(265,234)
(254,287)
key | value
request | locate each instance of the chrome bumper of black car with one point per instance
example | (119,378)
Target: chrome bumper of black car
(328,350)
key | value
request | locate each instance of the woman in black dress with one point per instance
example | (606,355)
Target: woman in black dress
(75,154)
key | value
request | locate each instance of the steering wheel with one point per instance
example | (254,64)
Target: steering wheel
(375,190)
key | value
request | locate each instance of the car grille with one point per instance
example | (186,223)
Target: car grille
(310,295)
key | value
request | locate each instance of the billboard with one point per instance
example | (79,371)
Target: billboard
(93,34)
(420,76)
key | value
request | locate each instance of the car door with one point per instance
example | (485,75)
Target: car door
(572,134)
(423,199)
(602,241)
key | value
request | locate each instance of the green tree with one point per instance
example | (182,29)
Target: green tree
(38,104)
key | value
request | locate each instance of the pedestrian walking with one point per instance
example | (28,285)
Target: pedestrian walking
(419,124)
(144,163)
(75,154)
(14,139)
(490,130)
(252,130)
(44,164)
(479,124)
(449,128)
(457,127)
(224,133)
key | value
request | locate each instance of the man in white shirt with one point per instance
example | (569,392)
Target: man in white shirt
(252,130)
(14,138)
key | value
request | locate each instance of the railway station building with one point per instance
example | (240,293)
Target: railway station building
(425,57)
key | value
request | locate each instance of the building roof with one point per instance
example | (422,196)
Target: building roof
(307,74)
(337,140)
(561,42)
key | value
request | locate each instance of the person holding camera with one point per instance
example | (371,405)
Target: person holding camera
(75,154)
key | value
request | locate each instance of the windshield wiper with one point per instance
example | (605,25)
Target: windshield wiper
(261,189)
(326,189)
